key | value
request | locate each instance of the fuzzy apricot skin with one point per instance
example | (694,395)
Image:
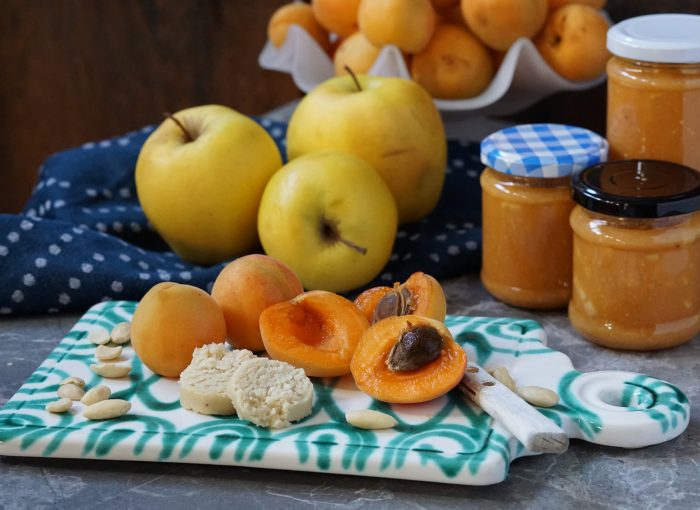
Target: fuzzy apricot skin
(246,287)
(428,297)
(296,14)
(408,24)
(433,380)
(170,321)
(316,331)
(454,64)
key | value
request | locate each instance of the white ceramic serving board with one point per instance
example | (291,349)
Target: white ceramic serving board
(446,440)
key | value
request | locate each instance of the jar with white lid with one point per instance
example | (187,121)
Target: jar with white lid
(526,202)
(654,89)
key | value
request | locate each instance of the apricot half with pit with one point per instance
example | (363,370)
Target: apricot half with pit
(407,359)
(316,331)
(421,294)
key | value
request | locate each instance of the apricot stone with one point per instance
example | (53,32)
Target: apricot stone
(421,295)
(170,321)
(420,373)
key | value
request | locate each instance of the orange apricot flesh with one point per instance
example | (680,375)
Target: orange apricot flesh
(434,379)
(316,331)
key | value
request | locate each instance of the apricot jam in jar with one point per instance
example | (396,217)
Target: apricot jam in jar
(654,89)
(526,203)
(636,254)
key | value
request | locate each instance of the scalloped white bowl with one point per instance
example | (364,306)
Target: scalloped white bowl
(522,79)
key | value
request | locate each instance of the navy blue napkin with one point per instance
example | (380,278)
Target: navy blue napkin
(83,238)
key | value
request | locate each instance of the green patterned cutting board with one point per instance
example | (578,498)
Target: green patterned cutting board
(446,440)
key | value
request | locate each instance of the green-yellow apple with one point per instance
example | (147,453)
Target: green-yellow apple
(200,177)
(389,122)
(329,217)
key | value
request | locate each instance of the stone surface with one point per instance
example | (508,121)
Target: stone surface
(586,476)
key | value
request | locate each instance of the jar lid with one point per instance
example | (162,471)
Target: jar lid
(638,188)
(543,150)
(663,38)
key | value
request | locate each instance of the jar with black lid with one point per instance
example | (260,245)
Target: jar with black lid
(636,262)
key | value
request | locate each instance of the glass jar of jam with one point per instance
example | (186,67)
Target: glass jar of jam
(526,203)
(636,257)
(654,89)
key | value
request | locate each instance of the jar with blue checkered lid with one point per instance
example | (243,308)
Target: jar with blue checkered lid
(526,203)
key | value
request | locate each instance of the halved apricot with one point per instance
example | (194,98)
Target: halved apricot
(421,294)
(367,301)
(316,331)
(407,359)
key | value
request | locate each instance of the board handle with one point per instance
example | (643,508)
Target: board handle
(626,409)
(535,431)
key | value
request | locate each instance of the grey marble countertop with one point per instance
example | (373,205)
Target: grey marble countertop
(586,476)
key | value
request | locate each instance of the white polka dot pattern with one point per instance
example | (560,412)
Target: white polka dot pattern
(83,237)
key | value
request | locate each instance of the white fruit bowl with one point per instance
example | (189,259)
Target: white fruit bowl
(522,79)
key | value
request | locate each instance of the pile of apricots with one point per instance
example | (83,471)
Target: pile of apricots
(452,47)
(391,339)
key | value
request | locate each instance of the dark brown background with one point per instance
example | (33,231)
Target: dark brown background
(78,70)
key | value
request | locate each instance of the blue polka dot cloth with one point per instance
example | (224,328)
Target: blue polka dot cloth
(82,237)
(543,150)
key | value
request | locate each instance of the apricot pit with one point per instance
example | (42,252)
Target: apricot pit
(421,294)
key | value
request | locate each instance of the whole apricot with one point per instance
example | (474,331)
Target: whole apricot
(170,321)
(555,4)
(357,53)
(244,288)
(337,16)
(408,24)
(296,14)
(573,42)
(444,5)
(454,65)
(499,23)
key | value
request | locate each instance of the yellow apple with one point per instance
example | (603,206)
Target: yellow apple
(199,178)
(330,218)
(391,123)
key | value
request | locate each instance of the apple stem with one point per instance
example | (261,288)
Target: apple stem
(352,245)
(354,78)
(329,232)
(188,136)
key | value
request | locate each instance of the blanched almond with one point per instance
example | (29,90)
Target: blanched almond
(538,396)
(107,409)
(71,391)
(121,333)
(98,336)
(368,419)
(110,370)
(104,353)
(59,406)
(96,394)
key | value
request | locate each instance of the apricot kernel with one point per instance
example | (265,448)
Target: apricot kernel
(416,347)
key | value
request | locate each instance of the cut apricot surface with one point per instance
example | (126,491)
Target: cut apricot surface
(367,301)
(316,331)
(421,294)
(372,374)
